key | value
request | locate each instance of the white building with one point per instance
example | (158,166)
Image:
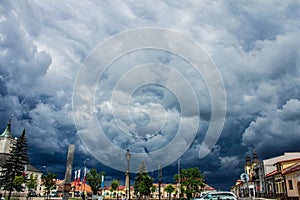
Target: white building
(6,140)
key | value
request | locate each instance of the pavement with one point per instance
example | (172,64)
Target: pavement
(254,198)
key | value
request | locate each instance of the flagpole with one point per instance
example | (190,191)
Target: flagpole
(75,183)
(78,178)
(84,178)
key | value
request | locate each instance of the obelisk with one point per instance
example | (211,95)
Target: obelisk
(67,184)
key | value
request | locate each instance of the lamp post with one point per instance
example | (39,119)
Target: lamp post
(179,186)
(128,156)
(159,181)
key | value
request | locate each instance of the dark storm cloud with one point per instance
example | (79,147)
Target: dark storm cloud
(254,44)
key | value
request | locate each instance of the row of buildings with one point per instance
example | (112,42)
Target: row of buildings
(277,177)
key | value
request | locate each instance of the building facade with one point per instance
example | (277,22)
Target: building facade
(292,181)
(6,140)
(277,177)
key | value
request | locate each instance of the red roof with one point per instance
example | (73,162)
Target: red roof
(81,187)
(292,168)
(272,173)
(207,188)
(282,161)
(239,182)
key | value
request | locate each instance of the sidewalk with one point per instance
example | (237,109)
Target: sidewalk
(254,198)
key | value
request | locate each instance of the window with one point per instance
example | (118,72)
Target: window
(290,184)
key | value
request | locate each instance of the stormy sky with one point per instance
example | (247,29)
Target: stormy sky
(95,75)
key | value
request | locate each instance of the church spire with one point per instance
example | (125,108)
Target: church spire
(7,131)
(255,157)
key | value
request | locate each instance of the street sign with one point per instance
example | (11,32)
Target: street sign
(244,177)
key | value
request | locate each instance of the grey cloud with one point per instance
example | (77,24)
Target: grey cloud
(255,46)
(267,133)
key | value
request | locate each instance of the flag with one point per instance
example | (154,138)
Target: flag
(84,176)
(102,182)
(78,177)
(75,178)
(24,174)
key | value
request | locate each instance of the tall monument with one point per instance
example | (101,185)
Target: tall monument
(67,184)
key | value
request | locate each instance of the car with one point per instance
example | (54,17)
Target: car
(33,194)
(221,195)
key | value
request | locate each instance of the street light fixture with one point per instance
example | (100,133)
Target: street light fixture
(128,156)
(159,181)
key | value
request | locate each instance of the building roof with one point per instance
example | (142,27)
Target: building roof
(292,168)
(208,188)
(4,156)
(32,169)
(272,173)
(7,132)
(287,160)
(286,170)
(81,187)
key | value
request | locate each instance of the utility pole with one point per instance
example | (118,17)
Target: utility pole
(159,181)
(179,186)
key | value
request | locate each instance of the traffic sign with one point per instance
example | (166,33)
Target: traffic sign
(244,177)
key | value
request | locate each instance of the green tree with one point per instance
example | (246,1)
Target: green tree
(114,186)
(94,179)
(170,189)
(18,182)
(31,184)
(146,185)
(14,165)
(49,183)
(153,189)
(192,180)
(142,182)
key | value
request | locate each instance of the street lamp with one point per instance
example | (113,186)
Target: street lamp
(128,156)
(159,181)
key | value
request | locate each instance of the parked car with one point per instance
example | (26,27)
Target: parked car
(33,194)
(221,195)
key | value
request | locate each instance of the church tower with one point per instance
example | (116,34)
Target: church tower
(6,139)
(247,166)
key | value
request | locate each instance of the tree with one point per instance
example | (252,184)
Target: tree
(14,166)
(114,186)
(49,183)
(31,184)
(142,182)
(94,179)
(153,189)
(18,182)
(146,185)
(170,189)
(192,180)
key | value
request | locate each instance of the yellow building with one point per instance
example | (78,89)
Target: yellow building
(292,181)
(276,179)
